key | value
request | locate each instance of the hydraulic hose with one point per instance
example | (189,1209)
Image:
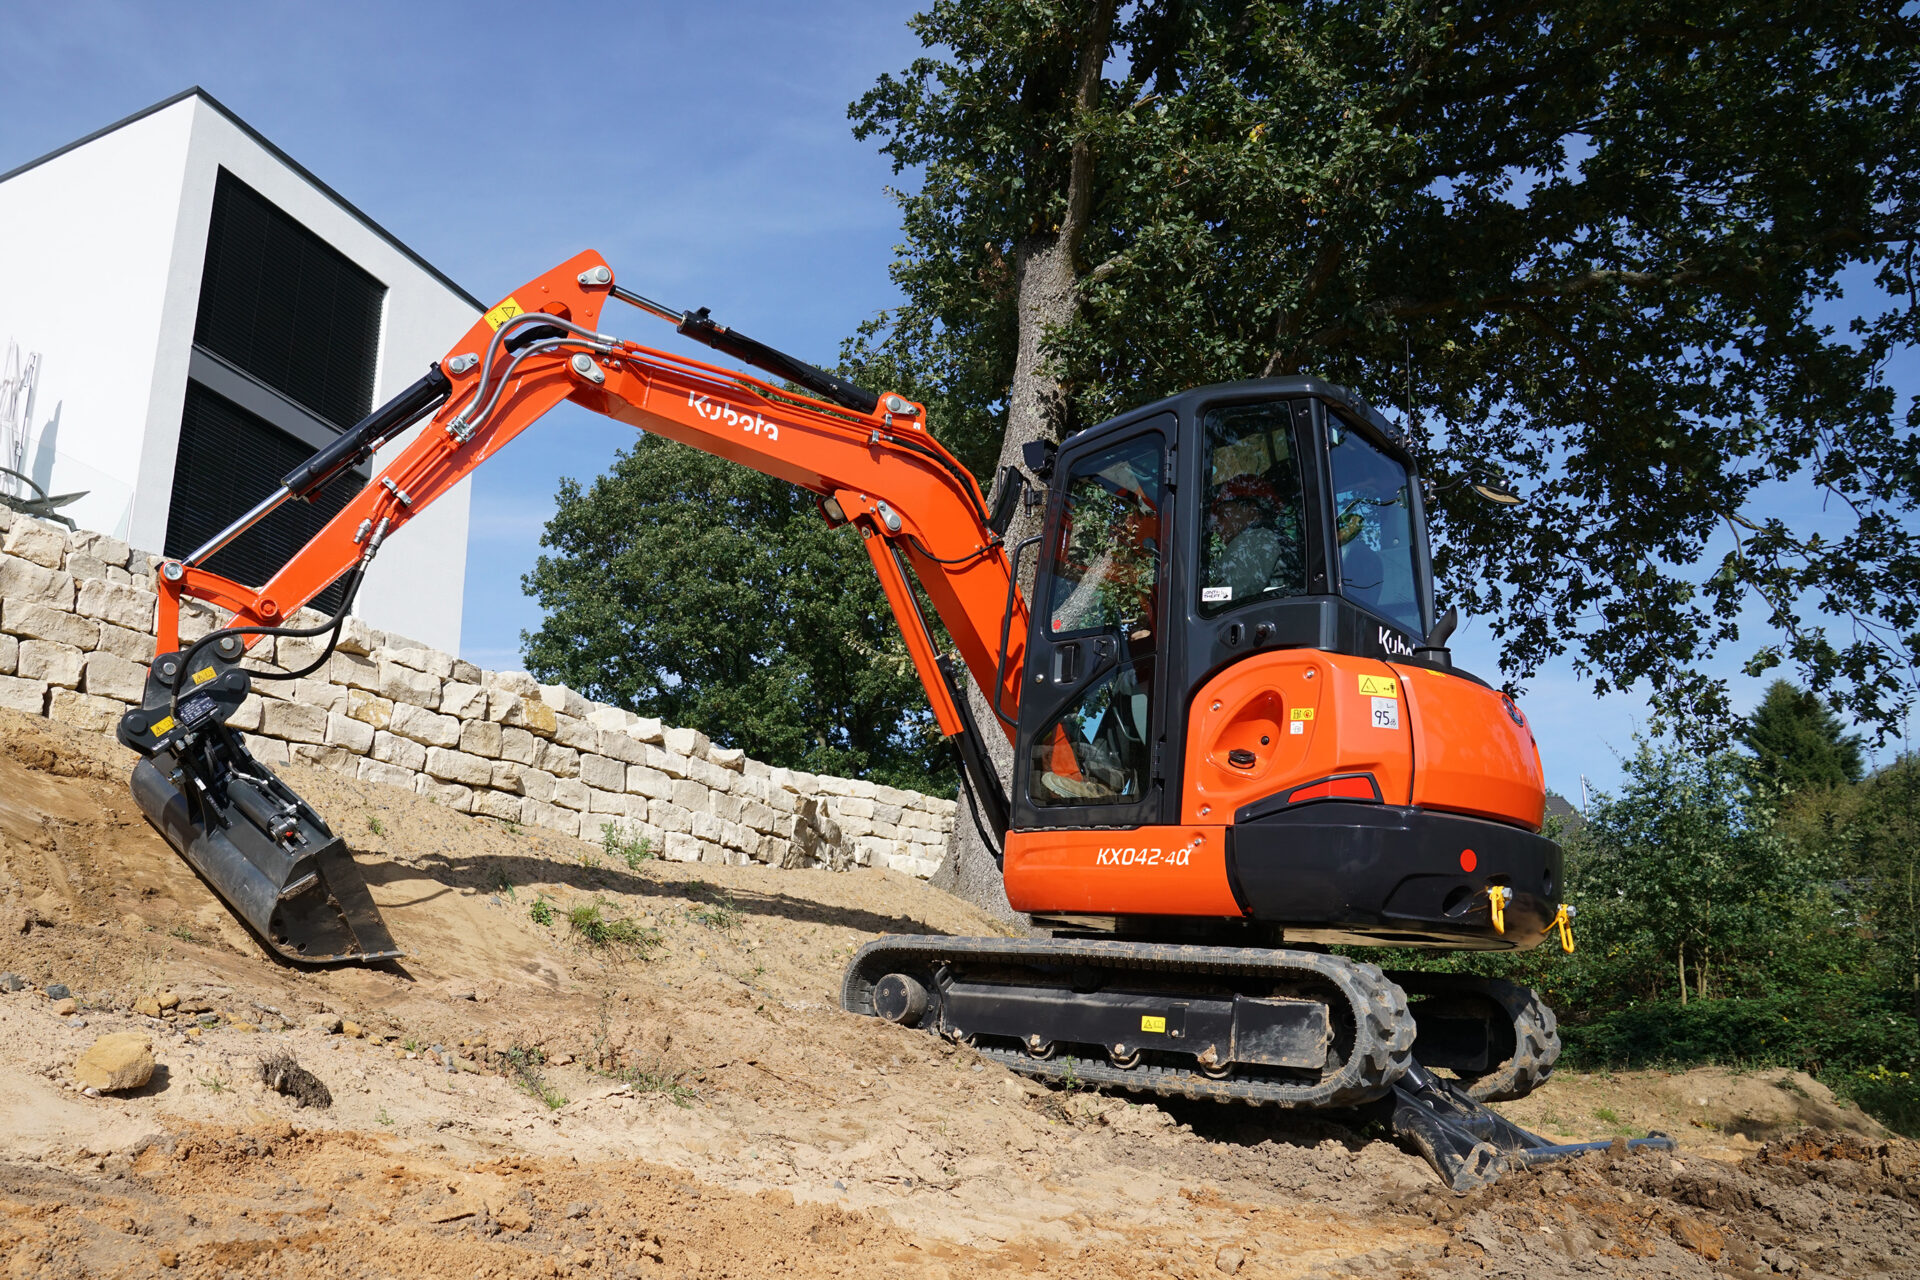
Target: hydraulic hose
(987,842)
(471,417)
(332,625)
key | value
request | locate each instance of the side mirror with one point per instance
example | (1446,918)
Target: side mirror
(1479,483)
(1012,485)
(1434,652)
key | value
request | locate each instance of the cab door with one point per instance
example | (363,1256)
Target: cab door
(1092,708)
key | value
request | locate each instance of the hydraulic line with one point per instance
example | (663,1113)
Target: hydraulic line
(950,466)
(987,842)
(506,376)
(332,625)
(970,556)
(504,331)
(467,421)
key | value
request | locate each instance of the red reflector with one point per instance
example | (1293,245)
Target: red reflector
(1335,788)
(1467,861)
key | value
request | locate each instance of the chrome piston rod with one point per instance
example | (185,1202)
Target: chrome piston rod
(261,510)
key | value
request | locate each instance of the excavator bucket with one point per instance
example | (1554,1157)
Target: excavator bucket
(311,907)
(258,845)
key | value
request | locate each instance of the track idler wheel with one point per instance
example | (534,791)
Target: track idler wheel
(899,998)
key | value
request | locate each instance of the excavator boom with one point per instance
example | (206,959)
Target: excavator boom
(880,469)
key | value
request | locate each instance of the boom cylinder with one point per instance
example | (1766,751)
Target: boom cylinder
(358,442)
(348,449)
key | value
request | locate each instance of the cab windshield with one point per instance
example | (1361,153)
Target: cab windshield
(1373,521)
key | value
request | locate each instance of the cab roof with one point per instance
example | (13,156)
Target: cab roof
(1187,403)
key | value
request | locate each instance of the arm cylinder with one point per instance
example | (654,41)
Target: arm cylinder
(701,329)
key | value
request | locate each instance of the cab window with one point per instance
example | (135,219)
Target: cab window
(1252,544)
(1094,751)
(1373,522)
(1107,559)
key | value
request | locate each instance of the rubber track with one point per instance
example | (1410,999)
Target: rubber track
(1536,1038)
(1536,1033)
(1384,1029)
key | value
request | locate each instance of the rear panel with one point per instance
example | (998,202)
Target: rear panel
(1473,750)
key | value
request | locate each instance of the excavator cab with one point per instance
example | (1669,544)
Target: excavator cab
(1233,660)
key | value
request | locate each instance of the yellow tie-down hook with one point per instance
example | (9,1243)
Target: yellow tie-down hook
(1564,923)
(1498,896)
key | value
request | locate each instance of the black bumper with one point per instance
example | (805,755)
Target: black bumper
(1338,872)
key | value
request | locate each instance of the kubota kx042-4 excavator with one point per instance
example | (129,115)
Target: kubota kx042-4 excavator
(1237,735)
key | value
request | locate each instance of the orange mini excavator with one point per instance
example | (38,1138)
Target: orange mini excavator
(1237,734)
